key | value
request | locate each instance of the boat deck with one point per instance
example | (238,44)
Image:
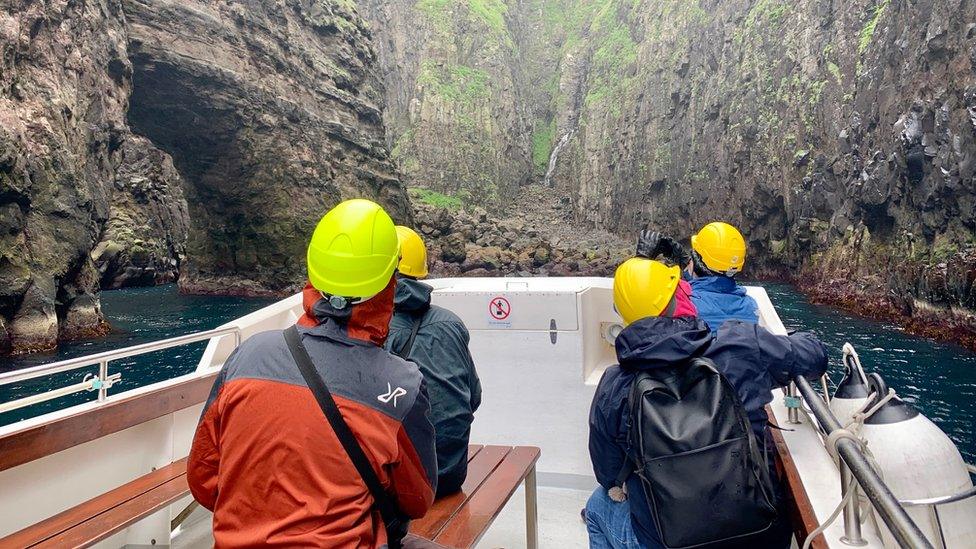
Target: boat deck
(560,525)
(539,363)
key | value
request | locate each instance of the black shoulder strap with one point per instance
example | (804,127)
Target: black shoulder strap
(404,351)
(385,504)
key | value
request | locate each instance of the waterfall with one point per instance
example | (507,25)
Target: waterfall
(547,180)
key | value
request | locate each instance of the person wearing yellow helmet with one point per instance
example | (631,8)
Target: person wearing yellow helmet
(663,340)
(718,254)
(437,341)
(268,401)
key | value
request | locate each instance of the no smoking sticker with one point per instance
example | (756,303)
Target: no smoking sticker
(499,308)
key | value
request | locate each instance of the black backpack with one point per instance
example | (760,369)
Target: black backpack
(694,451)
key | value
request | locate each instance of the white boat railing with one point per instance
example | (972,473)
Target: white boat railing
(856,467)
(103,381)
(932,505)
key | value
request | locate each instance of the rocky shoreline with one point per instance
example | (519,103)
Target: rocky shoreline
(536,241)
(922,318)
(934,323)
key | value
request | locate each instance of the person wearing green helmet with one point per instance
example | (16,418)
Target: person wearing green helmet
(268,463)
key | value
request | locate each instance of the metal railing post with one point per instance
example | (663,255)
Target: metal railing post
(103,379)
(792,413)
(852,520)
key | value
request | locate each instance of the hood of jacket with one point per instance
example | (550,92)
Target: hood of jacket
(412,296)
(656,342)
(367,321)
(718,285)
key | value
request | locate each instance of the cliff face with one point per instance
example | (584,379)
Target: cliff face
(272,113)
(268,112)
(839,136)
(144,240)
(64,85)
(456,94)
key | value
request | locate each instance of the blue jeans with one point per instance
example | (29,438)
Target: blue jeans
(608,523)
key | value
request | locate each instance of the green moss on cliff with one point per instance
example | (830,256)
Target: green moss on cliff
(867,32)
(459,84)
(436,199)
(491,13)
(542,143)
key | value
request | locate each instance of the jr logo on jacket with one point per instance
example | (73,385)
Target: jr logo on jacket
(391,394)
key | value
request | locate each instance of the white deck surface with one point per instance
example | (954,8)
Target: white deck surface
(560,525)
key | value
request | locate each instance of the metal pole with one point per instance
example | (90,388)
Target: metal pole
(902,527)
(852,520)
(103,377)
(44,397)
(531,511)
(792,414)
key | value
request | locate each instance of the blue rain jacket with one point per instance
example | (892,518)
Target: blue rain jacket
(440,350)
(719,298)
(754,360)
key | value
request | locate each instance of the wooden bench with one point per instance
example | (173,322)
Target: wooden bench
(458,520)
(494,473)
(107,514)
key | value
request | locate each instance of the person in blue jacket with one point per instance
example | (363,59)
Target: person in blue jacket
(658,335)
(437,341)
(719,253)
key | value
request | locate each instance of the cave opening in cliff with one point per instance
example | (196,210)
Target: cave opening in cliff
(192,117)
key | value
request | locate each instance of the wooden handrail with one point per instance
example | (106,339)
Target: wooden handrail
(35,442)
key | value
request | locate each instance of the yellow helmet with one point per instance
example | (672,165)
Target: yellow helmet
(721,248)
(353,251)
(643,288)
(413,253)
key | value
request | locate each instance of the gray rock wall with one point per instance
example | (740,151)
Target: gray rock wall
(839,136)
(269,112)
(64,87)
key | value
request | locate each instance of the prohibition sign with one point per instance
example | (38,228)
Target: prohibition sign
(499,308)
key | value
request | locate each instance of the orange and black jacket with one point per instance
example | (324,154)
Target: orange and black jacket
(265,460)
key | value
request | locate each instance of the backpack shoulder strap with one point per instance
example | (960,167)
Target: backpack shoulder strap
(385,504)
(404,351)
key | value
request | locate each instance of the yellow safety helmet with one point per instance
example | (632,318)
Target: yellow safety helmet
(643,288)
(413,253)
(353,251)
(721,248)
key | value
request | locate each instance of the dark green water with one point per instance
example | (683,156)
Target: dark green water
(939,379)
(137,316)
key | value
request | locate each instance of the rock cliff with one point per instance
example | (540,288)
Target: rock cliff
(271,111)
(142,140)
(64,87)
(840,136)
(456,95)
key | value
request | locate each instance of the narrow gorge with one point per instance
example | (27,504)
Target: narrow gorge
(152,141)
(839,136)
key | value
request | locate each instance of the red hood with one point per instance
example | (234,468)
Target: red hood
(368,321)
(682,297)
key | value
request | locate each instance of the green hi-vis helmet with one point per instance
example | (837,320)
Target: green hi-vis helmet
(353,251)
